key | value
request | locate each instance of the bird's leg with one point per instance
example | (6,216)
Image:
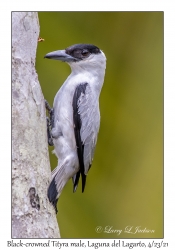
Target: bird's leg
(50,123)
(49,135)
(51,113)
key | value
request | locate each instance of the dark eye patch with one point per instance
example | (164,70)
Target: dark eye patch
(81,51)
(85,52)
(77,53)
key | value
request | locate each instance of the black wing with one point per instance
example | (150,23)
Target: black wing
(80,90)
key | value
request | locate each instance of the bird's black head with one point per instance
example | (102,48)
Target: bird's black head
(74,53)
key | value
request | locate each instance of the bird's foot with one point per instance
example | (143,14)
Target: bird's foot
(50,123)
(49,134)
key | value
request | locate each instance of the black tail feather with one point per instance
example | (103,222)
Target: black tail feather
(54,203)
(52,194)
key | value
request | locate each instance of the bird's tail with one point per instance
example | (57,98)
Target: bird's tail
(56,186)
(52,194)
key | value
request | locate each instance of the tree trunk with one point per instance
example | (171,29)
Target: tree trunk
(32,214)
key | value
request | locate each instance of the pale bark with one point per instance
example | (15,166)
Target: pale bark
(32,214)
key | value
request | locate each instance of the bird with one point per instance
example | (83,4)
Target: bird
(75,116)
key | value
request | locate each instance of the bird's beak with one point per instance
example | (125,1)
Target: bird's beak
(60,55)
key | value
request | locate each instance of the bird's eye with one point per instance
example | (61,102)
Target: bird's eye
(85,52)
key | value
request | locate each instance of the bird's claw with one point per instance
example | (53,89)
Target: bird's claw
(50,123)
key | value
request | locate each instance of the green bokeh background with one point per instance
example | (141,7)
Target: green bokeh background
(125,184)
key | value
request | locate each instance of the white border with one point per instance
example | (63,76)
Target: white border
(169,94)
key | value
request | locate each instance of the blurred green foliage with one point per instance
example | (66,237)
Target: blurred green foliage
(125,184)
